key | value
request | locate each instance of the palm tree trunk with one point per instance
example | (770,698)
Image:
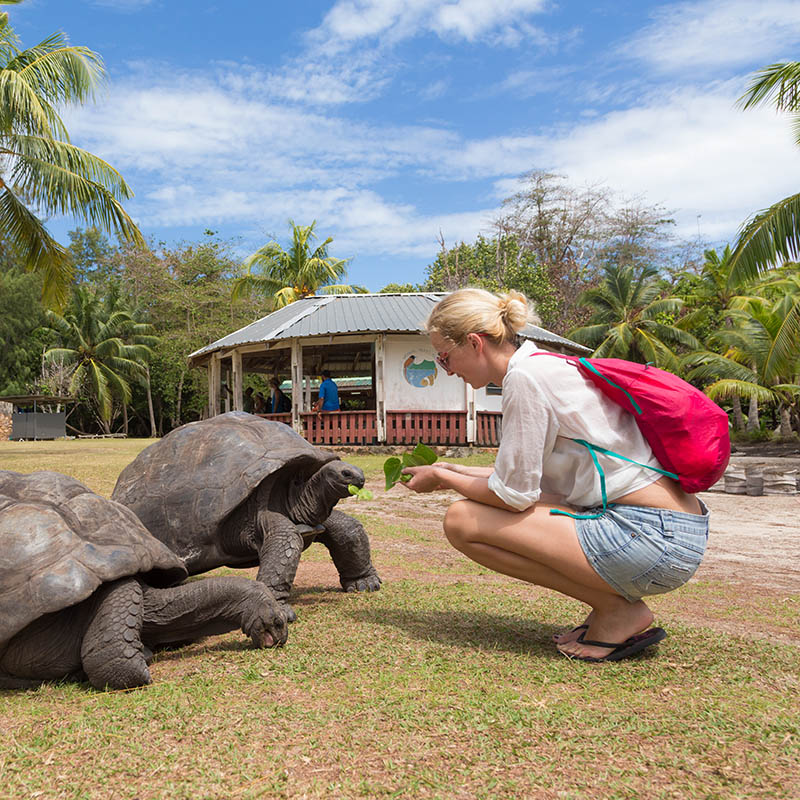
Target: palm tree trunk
(153,430)
(786,421)
(752,416)
(738,416)
(177,421)
(125,418)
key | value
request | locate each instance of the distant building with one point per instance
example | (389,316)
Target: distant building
(375,348)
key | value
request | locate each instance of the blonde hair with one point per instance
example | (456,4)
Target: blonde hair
(465,311)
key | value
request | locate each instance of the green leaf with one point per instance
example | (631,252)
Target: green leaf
(425,454)
(360,493)
(392,468)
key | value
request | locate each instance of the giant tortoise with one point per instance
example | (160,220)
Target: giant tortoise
(237,490)
(86,591)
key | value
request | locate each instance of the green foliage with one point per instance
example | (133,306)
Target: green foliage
(496,265)
(105,347)
(92,257)
(40,169)
(393,467)
(21,318)
(631,320)
(185,294)
(395,288)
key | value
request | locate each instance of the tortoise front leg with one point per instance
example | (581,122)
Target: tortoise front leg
(112,652)
(211,606)
(278,557)
(348,544)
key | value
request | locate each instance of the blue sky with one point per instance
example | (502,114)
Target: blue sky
(390,121)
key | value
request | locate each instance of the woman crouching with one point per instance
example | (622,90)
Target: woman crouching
(537,515)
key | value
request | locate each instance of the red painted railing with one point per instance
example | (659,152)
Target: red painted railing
(285,418)
(402,427)
(489,425)
(430,427)
(340,427)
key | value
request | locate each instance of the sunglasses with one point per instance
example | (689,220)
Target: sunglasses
(443,359)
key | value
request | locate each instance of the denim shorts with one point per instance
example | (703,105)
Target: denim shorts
(641,551)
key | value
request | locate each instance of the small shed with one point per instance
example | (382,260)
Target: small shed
(33,417)
(379,337)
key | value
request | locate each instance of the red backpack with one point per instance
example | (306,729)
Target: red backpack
(687,431)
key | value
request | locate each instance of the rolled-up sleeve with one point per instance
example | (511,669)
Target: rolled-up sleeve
(529,432)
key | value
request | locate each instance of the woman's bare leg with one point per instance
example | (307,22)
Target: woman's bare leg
(543,549)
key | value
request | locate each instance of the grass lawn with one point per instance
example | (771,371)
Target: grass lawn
(442,685)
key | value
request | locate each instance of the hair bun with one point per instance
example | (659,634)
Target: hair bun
(514,310)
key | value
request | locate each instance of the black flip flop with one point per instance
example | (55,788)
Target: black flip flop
(626,649)
(576,628)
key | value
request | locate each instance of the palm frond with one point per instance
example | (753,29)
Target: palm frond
(340,288)
(26,235)
(778,84)
(68,180)
(770,236)
(726,389)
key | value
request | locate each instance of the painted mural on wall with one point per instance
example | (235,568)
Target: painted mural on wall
(419,369)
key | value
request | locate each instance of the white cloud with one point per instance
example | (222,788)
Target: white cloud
(693,36)
(689,150)
(391,21)
(205,154)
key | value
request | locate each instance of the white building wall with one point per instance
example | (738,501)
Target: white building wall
(414,380)
(487,402)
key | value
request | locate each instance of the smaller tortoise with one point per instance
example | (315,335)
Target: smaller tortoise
(237,490)
(80,596)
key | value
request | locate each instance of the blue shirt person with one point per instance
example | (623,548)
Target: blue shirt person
(328,394)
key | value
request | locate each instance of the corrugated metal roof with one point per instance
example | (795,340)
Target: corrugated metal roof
(348,314)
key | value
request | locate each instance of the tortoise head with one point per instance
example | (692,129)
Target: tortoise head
(312,501)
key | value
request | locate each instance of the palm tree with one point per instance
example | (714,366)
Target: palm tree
(761,357)
(772,235)
(287,275)
(712,294)
(631,319)
(105,346)
(41,172)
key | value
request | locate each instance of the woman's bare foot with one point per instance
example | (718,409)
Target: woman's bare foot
(615,623)
(571,636)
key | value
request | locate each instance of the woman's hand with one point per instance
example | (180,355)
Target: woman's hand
(424,479)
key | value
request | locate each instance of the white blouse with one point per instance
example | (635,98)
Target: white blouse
(546,404)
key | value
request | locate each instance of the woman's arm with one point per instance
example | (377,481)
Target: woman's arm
(481,472)
(473,487)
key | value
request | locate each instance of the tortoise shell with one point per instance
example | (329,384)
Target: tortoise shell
(59,541)
(194,477)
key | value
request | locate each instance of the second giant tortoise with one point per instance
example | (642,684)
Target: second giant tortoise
(86,591)
(237,490)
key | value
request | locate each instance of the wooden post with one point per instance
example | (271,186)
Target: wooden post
(472,416)
(236,364)
(297,385)
(226,401)
(380,386)
(213,385)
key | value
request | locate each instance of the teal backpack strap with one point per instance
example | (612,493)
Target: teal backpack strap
(592,448)
(624,458)
(591,367)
